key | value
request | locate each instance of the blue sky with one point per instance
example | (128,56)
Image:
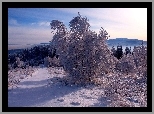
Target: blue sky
(32,25)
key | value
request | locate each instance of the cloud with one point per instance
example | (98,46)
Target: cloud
(24,35)
(33,23)
(122,16)
(119,22)
(43,23)
(13,22)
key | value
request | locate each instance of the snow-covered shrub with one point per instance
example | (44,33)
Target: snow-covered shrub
(15,75)
(126,64)
(48,61)
(140,59)
(126,91)
(83,53)
(19,62)
(9,67)
(128,85)
(135,63)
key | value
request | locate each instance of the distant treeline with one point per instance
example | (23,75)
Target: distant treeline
(14,51)
(32,57)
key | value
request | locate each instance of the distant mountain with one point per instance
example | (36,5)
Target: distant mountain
(126,41)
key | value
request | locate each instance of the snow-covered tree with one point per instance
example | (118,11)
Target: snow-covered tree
(83,53)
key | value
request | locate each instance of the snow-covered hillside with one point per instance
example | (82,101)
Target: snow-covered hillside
(44,89)
(36,91)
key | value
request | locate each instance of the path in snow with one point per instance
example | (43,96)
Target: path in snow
(36,92)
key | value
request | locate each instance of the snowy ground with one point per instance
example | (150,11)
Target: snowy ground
(36,91)
(44,89)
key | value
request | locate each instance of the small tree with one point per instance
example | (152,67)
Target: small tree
(83,53)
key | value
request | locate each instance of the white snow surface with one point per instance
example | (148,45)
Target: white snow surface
(35,91)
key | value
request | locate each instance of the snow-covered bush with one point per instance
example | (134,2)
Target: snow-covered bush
(140,59)
(126,91)
(135,63)
(15,75)
(126,64)
(130,81)
(83,53)
(48,61)
(19,62)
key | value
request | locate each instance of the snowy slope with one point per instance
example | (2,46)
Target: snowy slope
(36,91)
